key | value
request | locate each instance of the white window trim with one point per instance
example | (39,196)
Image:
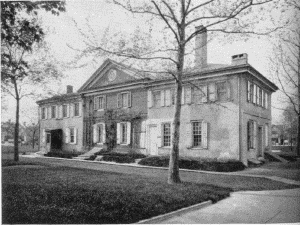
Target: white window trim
(45,118)
(162,135)
(68,111)
(128,100)
(78,109)
(96,98)
(203,124)
(103,133)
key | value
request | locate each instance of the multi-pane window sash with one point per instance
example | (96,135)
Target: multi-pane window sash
(250,134)
(100,133)
(196,134)
(166,134)
(156,99)
(53,111)
(222,91)
(65,110)
(99,102)
(76,109)
(43,113)
(72,135)
(124,100)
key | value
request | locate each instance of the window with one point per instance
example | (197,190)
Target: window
(156,99)
(53,111)
(250,134)
(48,138)
(99,102)
(123,127)
(172,97)
(43,113)
(65,110)
(259,96)
(166,134)
(222,91)
(211,92)
(72,135)
(266,100)
(76,109)
(196,134)
(124,100)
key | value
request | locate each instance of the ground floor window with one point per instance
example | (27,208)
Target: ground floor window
(48,138)
(250,134)
(100,133)
(123,132)
(72,135)
(166,134)
(196,134)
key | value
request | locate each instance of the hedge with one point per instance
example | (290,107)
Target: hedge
(218,166)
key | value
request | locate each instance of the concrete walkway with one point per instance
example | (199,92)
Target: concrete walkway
(247,207)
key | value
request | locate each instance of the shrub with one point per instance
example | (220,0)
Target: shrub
(67,155)
(163,161)
(121,157)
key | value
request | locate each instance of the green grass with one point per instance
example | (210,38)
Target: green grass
(7,162)
(68,195)
(22,149)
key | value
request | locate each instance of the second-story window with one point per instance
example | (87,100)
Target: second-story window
(65,110)
(53,111)
(100,102)
(156,99)
(76,109)
(124,100)
(43,113)
(222,91)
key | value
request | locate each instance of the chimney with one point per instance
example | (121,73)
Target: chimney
(201,47)
(239,59)
(69,89)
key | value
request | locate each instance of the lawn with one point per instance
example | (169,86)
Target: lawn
(43,194)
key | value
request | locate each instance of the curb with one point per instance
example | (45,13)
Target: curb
(274,178)
(178,212)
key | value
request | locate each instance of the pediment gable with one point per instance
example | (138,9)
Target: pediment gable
(110,73)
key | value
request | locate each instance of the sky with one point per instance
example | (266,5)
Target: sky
(62,32)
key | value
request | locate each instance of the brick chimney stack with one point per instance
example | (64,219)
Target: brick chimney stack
(239,59)
(69,89)
(201,47)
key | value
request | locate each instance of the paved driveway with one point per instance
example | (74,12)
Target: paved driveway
(248,207)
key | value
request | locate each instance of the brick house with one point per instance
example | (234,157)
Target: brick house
(226,111)
(61,123)
(115,101)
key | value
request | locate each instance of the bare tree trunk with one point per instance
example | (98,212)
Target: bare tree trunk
(16,136)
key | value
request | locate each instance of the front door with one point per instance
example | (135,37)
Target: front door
(153,140)
(259,140)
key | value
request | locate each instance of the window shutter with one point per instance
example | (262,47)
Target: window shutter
(188,95)
(168,97)
(94,133)
(96,103)
(266,135)
(104,101)
(44,136)
(128,132)
(255,134)
(68,110)
(104,133)
(263,98)
(46,113)
(162,98)
(203,93)
(129,99)
(80,109)
(143,134)
(56,112)
(228,90)
(118,133)
(212,92)
(189,134)
(182,95)
(67,135)
(149,99)
(204,131)
(248,91)
(75,135)
(254,94)
(161,135)
(119,100)
(266,100)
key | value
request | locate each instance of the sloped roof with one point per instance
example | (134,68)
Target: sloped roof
(59,98)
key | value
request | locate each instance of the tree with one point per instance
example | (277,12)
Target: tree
(31,131)
(176,22)
(20,34)
(287,65)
